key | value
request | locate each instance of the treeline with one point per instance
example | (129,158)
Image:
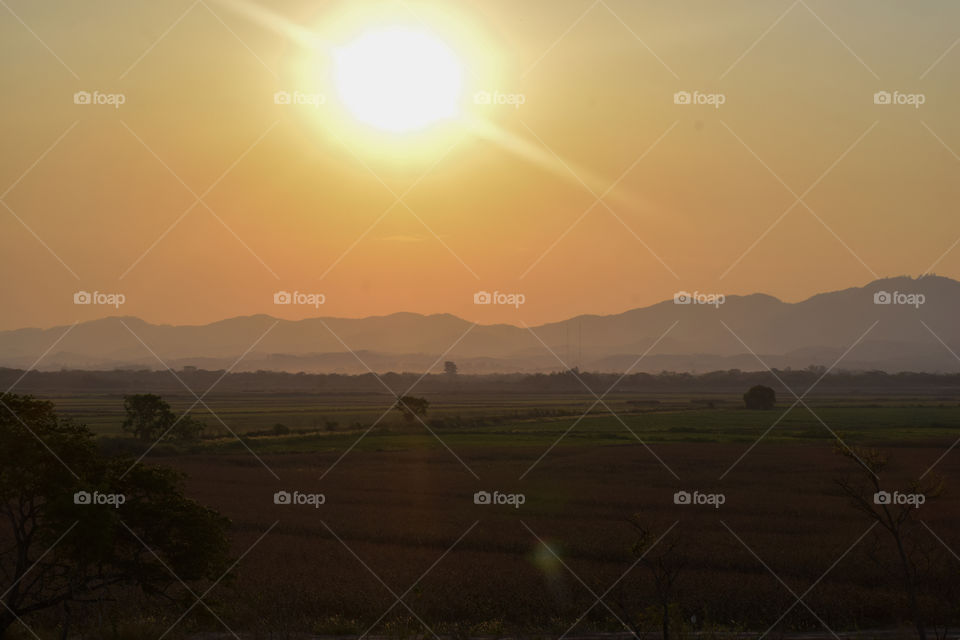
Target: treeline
(734,380)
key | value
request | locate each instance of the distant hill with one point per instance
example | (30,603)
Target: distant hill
(816,331)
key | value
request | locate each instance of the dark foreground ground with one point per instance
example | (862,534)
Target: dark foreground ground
(399,549)
(391,519)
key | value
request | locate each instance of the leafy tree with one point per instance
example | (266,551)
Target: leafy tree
(413,408)
(897,521)
(186,429)
(450,368)
(760,397)
(148,416)
(57,550)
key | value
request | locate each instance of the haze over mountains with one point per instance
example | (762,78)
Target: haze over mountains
(906,335)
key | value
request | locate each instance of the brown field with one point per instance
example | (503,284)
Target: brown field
(400,511)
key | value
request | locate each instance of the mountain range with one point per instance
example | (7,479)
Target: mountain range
(893,324)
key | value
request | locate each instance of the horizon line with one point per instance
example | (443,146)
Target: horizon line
(457,317)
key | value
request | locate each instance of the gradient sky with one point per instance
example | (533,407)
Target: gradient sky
(295,211)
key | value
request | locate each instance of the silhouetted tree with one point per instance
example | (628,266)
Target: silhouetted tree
(760,397)
(898,521)
(665,559)
(186,429)
(149,418)
(450,368)
(412,407)
(59,547)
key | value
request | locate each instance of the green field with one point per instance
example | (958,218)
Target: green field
(325,421)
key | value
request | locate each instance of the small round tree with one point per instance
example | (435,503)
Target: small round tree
(760,397)
(413,408)
(149,417)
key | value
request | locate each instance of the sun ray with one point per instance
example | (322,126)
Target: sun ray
(364,99)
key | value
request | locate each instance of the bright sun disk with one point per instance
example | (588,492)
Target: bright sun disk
(399,79)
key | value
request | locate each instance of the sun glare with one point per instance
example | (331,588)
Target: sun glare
(399,79)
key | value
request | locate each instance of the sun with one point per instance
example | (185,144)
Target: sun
(399,79)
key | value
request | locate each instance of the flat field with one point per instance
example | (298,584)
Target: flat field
(400,519)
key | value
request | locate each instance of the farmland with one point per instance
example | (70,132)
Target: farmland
(674,417)
(399,511)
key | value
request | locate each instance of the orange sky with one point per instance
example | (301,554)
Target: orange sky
(301,205)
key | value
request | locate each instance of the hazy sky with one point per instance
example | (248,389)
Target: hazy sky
(97,197)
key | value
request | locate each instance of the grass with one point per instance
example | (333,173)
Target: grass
(887,426)
(333,420)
